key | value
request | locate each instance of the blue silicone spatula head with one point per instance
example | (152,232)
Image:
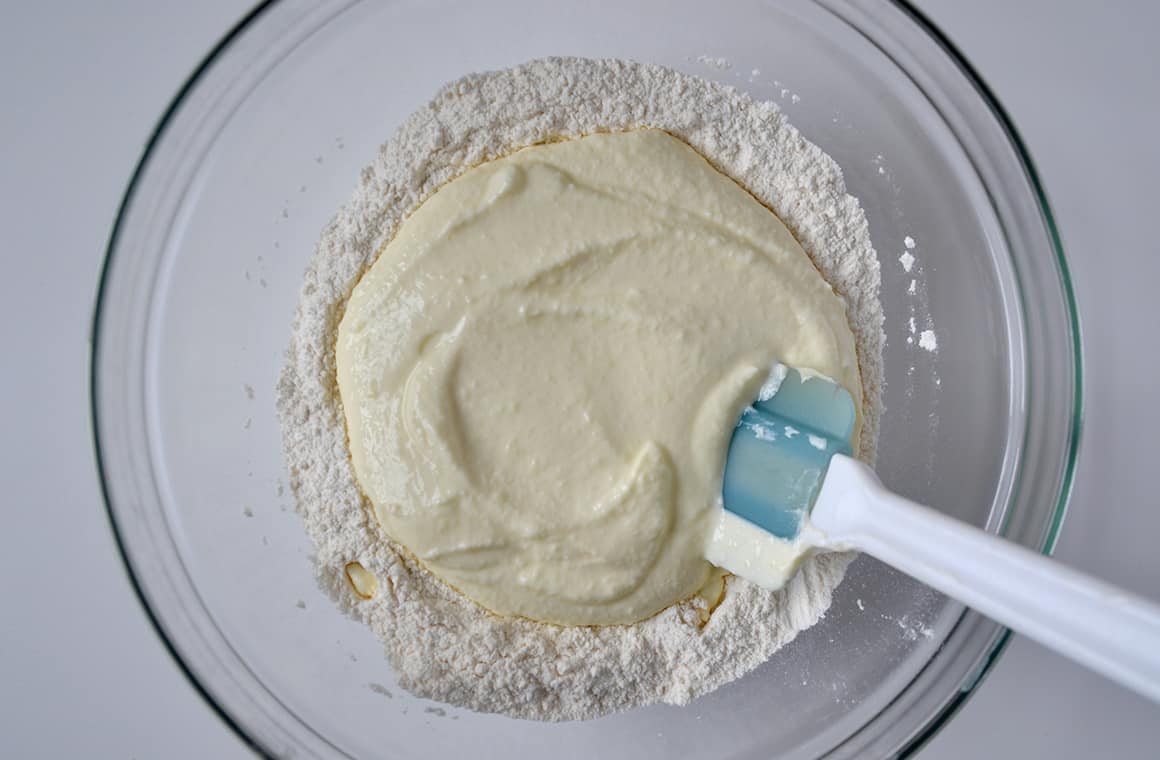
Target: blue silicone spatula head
(782,447)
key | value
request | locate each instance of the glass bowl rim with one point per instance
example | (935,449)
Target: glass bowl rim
(924,24)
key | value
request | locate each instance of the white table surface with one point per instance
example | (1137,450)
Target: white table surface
(82,674)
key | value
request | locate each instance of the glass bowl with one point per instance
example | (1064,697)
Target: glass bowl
(265,142)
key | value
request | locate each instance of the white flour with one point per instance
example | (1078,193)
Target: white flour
(441,645)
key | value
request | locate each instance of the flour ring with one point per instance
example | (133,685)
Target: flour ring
(441,645)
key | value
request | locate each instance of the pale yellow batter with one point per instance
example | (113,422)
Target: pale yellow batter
(541,372)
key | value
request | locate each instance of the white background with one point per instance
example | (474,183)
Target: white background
(81,672)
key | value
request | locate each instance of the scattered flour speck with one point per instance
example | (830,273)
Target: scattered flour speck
(720,64)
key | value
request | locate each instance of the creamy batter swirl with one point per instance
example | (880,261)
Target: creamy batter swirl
(541,371)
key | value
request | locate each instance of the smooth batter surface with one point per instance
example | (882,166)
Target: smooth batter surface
(541,371)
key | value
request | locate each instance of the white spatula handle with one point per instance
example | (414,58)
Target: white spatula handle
(1109,630)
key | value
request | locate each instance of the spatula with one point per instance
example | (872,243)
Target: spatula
(791,488)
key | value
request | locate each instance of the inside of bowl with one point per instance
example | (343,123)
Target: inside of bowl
(303,104)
